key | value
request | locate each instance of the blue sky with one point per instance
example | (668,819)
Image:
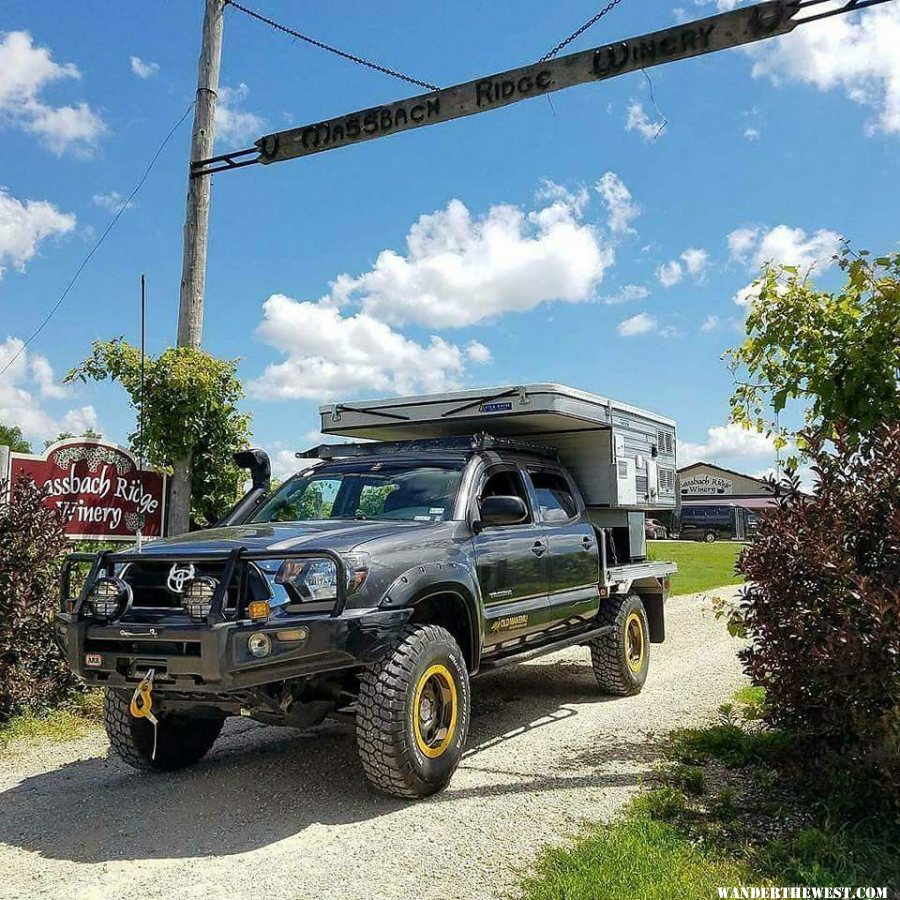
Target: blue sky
(563,241)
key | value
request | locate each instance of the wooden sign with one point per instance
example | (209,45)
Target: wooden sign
(98,488)
(730,29)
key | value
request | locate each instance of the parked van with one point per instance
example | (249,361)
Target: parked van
(710,523)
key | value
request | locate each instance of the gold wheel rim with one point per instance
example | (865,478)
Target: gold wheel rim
(435,711)
(634,642)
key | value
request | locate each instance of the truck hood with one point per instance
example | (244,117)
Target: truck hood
(332,534)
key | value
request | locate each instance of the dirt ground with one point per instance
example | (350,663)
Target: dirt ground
(275,814)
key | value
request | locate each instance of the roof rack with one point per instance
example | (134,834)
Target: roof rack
(465,443)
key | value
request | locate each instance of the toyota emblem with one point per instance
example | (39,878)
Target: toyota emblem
(179,575)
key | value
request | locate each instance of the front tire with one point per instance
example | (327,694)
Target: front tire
(412,716)
(180,740)
(709,537)
(621,659)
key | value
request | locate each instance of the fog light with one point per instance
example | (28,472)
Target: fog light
(258,609)
(197,596)
(108,598)
(259,645)
(292,634)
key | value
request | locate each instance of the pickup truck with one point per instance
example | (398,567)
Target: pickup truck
(376,584)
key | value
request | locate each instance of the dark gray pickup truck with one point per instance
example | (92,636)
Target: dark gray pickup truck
(373,584)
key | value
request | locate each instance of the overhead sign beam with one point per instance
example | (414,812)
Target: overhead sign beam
(731,29)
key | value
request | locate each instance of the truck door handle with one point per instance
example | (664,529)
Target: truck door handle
(539,548)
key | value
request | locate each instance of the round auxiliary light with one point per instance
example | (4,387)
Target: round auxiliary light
(259,645)
(108,598)
(197,596)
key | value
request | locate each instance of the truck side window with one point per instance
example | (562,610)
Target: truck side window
(506,483)
(554,496)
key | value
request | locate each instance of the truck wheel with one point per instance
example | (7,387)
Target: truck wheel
(621,658)
(709,537)
(412,716)
(180,740)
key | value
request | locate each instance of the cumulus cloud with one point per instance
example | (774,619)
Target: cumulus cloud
(143,69)
(855,53)
(329,354)
(233,124)
(23,225)
(622,208)
(670,273)
(710,323)
(751,134)
(112,202)
(460,269)
(781,245)
(693,261)
(626,294)
(638,120)
(726,441)
(25,383)
(642,323)
(25,70)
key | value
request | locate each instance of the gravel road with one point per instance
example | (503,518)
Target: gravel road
(274,814)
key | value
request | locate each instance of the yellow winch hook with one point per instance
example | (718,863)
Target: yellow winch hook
(142,700)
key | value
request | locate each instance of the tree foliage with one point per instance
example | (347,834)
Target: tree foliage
(837,354)
(822,602)
(33,673)
(190,411)
(65,435)
(11,436)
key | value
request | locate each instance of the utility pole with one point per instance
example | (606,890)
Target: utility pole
(196,229)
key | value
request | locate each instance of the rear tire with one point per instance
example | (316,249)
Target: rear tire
(412,717)
(180,741)
(621,659)
(709,537)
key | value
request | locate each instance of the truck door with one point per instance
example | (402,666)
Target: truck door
(513,565)
(574,553)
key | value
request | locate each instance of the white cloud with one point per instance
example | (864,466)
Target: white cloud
(329,355)
(143,69)
(459,270)
(25,70)
(710,323)
(695,261)
(726,441)
(29,379)
(112,202)
(670,273)
(751,134)
(639,324)
(233,124)
(692,261)
(638,120)
(626,294)
(619,202)
(856,53)
(24,225)
(781,245)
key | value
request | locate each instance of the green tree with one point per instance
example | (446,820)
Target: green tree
(11,436)
(190,415)
(836,354)
(65,435)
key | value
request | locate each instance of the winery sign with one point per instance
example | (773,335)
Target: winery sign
(98,488)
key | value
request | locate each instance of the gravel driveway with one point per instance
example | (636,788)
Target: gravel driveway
(274,814)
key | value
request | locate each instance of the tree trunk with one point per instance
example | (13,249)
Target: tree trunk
(180,497)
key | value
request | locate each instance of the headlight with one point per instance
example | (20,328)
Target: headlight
(196,598)
(109,598)
(311,580)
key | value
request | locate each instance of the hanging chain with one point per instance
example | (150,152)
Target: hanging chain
(575,34)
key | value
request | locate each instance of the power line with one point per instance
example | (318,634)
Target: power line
(327,47)
(98,242)
(589,24)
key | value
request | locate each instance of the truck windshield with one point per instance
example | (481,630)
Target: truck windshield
(366,490)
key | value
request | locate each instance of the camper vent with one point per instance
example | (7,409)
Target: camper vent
(666,441)
(623,468)
(666,480)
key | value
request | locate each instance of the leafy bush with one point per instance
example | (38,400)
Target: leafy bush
(33,673)
(822,606)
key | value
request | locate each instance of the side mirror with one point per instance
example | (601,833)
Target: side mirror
(503,511)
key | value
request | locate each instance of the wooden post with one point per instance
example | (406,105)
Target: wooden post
(196,227)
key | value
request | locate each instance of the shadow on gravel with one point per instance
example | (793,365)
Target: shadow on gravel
(261,785)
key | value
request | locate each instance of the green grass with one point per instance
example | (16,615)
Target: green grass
(700,566)
(736,807)
(74,720)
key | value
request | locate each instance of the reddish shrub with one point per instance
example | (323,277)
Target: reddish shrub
(822,606)
(33,673)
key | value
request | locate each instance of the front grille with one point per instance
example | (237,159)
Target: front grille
(143,648)
(148,583)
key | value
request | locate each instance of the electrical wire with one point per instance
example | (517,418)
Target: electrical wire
(359,60)
(98,242)
(580,31)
